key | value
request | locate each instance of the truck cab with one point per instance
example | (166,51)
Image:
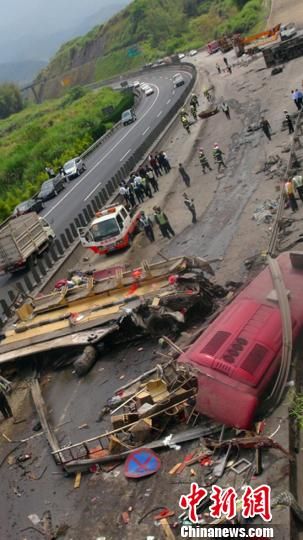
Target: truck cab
(112,229)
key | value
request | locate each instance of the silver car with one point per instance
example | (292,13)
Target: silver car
(74,168)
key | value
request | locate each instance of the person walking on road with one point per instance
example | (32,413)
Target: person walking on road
(289,123)
(190,205)
(218,69)
(225,61)
(266,127)
(298,185)
(204,161)
(185,177)
(218,157)
(290,192)
(5,407)
(147,226)
(294,95)
(163,222)
(225,109)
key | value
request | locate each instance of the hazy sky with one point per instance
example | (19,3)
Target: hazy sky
(22,16)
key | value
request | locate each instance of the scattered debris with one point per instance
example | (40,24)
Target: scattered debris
(266,212)
(140,463)
(77,480)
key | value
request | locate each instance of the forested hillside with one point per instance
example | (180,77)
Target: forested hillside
(149,29)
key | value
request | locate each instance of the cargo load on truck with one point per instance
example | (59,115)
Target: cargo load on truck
(22,239)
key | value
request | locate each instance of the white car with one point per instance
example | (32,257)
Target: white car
(178,80)
(136,84)
(287,31)
(193,52)
(181,56)
(149,91)
(74,168)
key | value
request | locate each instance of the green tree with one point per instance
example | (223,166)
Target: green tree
(10,100)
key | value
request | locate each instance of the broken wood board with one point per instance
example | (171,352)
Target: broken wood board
(42,413)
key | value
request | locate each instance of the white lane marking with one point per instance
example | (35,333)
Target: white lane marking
(168,102)
(92,191)
(135,126)
(159,114)
(146,130)
(126,154)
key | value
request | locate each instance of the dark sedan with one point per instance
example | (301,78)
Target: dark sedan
(32,205)
(51,188)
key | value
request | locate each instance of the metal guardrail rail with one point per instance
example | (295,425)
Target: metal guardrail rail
(62,245)
(273,242)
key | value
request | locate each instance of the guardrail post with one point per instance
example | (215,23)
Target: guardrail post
(90,211)
(86,215)
(69,236)
(36,276)
(104,195)
(63,240)
(73,230)
(109,188)
(48,261)
(82,220)
(53,254)
(41,267)
(5,308)
(12,295)
(59,246)
(115,181)
(20,287)
(28,283)
(94,204)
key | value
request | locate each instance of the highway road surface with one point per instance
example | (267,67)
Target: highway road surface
(107,159)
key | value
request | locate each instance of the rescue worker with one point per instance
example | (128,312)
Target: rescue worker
(194,100)
(193,111)
(5,406)
(190,205)
(265,126)
(124,193)
(204,161)
(207,94)
(290,192)
(289,123)
(185,123)
(147,226)
(218,69)
(225,109)
(225,61)
(138,188)
(146,186)
(298,185)
(218,157)
(184,175)
(164,225)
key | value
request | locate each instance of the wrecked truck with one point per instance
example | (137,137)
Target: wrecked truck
(242,360)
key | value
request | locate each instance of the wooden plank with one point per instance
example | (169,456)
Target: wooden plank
(168,533)
(42,413)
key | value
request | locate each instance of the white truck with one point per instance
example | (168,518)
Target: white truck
(112,229)
(22,239)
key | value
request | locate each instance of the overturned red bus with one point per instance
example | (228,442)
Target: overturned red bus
(237,357)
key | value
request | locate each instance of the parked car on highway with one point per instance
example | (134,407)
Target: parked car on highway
(51,187)
(136,84)
(287,31)
(149,91)
(143,85)
(31,205)
(128,117)
(178,80)
(193,52)
(181,56)
(74,168)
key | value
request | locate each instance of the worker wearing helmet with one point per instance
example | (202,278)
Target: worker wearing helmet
(218,156)
(204,161)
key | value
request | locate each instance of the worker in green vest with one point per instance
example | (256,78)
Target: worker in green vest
(162,220)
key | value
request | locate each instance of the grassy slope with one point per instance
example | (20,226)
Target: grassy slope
(50,134)
(157,28)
